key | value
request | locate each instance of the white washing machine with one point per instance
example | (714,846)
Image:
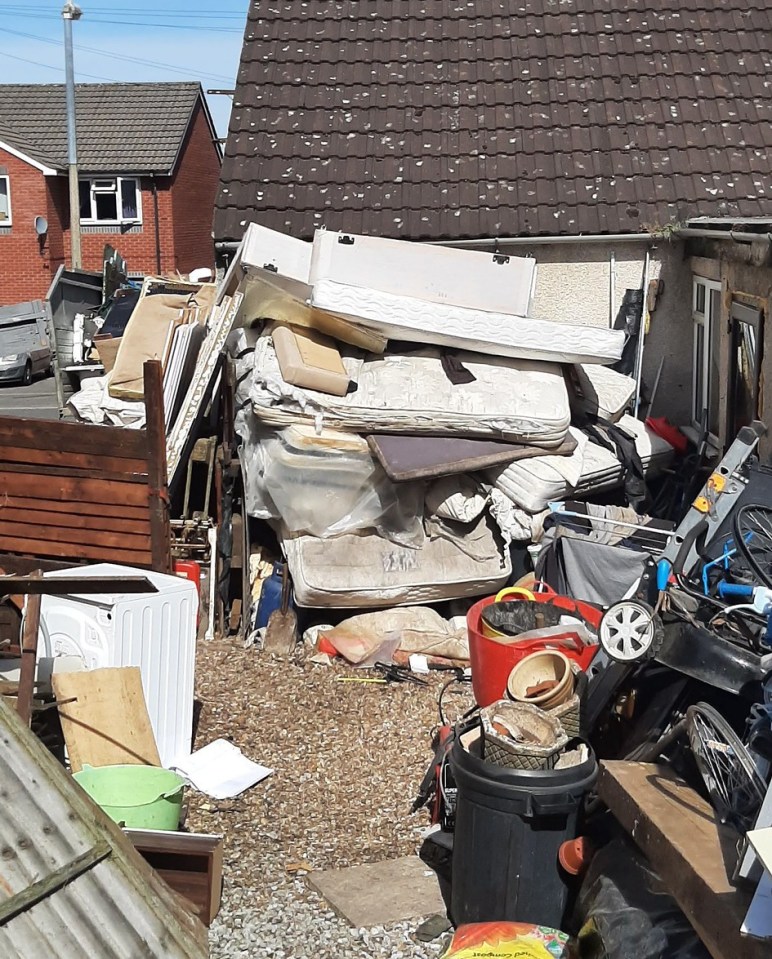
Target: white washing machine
(155,631)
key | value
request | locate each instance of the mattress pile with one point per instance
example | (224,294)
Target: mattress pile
(411,392)
(356,345)
(591,468)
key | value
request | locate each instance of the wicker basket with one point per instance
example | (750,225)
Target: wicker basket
(507,751)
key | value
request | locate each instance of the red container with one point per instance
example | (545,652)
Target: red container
(492,661)
(190,569)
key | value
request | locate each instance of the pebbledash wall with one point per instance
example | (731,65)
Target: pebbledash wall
(185,204)
(573,285)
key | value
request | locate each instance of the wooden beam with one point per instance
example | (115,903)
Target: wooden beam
(76,491)
(158,490)
(680,835)
(29,654)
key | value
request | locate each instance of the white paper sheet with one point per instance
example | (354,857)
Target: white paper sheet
(221,770)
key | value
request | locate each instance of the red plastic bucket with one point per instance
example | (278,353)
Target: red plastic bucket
(492,661)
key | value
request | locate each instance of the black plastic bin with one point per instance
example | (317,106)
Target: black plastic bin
(510,824)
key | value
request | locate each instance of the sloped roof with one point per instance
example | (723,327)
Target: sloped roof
(437,119)
(121,127)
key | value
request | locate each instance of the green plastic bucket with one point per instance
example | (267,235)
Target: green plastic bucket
(139,797)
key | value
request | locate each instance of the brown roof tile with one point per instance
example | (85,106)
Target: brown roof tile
(433,119)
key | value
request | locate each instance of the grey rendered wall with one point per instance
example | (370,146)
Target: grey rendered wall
(574,286)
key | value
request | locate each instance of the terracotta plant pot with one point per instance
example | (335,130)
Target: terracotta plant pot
(544,679)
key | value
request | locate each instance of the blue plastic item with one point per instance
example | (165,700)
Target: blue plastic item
(664,569)
(734,589)
(270,596)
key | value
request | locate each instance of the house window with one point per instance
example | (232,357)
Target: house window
(706,378)
(5,201)
(110,200)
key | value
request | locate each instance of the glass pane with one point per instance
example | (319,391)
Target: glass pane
(714,362)
(699,297)
(5,207)
(129,199)
(699,358)
(106,206)
(744,374)
(84,189)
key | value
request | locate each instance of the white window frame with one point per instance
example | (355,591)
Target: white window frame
(9,220)
(99,185)
(704,321)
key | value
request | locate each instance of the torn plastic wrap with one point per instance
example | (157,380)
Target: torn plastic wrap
(326,485)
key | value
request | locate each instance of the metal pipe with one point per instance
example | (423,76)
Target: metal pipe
(612,289)
(738,237)
(642,335)
(154,188)
(225,246)
(71,12)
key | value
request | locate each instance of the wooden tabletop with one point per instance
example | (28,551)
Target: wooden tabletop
(695,856)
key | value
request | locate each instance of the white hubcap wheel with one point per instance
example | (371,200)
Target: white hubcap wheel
(627,631)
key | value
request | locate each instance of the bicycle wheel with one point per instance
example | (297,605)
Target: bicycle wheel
(753,537)
(735,788)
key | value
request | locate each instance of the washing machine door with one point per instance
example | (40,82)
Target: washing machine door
(72,628)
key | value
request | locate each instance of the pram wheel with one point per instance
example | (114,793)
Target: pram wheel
(630,632)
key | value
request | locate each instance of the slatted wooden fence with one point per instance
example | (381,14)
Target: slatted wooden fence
(72,492)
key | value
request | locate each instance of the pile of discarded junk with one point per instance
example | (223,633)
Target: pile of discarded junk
(413,441)
(435,480)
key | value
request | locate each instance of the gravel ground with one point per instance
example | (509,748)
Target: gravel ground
(348,759)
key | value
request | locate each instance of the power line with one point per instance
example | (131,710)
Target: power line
(47,66)
(24,12)
(106,20)
(122,56)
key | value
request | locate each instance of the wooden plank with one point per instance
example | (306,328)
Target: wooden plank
(106,511)
(79,493)
(678,832)
(73,438)
(55,534)
(29,651)
(77,552)
(115,465)
(68,472)
(158,499)
(107,724)
(73,520)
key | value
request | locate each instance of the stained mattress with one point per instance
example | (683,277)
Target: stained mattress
(499,334)
(532,484)
(601,390)
(364,570)
(410,392)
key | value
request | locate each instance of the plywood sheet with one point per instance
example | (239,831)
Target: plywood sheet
(407,458)
(107,722)
(382,892)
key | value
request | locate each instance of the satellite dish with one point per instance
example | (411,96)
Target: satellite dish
(41,225)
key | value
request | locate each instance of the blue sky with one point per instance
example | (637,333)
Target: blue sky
(174,39)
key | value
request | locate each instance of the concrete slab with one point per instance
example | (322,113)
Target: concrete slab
(381,893)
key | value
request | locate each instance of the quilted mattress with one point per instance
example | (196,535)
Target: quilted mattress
(408,318)
(532,484)
(410,392)
(364,570)
(601,390)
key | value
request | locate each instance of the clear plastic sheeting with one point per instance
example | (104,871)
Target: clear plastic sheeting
(326,484)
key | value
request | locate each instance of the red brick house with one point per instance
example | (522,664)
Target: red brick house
(149,166)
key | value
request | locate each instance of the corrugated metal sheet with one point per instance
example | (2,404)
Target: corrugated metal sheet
(116,909)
